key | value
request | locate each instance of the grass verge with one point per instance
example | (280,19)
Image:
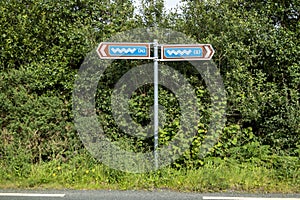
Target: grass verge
(216,175)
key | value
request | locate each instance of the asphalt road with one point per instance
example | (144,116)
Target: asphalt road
(133,195)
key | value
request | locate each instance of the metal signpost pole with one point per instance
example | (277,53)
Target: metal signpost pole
(155,92)
(155,103)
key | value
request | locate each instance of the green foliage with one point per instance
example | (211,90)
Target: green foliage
(35,125)
(42,46)
(216,175)
(257,48)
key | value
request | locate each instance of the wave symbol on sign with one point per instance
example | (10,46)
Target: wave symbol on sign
(179,52)
(123,50)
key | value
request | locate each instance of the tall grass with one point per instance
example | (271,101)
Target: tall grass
(83,172)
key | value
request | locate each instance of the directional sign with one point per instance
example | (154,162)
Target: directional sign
(108,50)
(179,52)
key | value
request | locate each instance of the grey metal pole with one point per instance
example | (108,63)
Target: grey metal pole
(156,102)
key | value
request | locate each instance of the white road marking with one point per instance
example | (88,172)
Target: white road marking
(246,198)
(30,195)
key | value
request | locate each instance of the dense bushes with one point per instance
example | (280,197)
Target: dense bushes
(44,42)
(42,46)
(257,51)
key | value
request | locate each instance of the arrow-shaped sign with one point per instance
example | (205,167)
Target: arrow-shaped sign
(102,50)
(107,50)
(179,52)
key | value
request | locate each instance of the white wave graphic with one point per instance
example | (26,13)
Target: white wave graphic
(123,50)
(179,52)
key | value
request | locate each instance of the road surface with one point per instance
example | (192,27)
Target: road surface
(133,195)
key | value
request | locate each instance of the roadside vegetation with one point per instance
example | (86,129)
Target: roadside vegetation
(214,175)
(43,44)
